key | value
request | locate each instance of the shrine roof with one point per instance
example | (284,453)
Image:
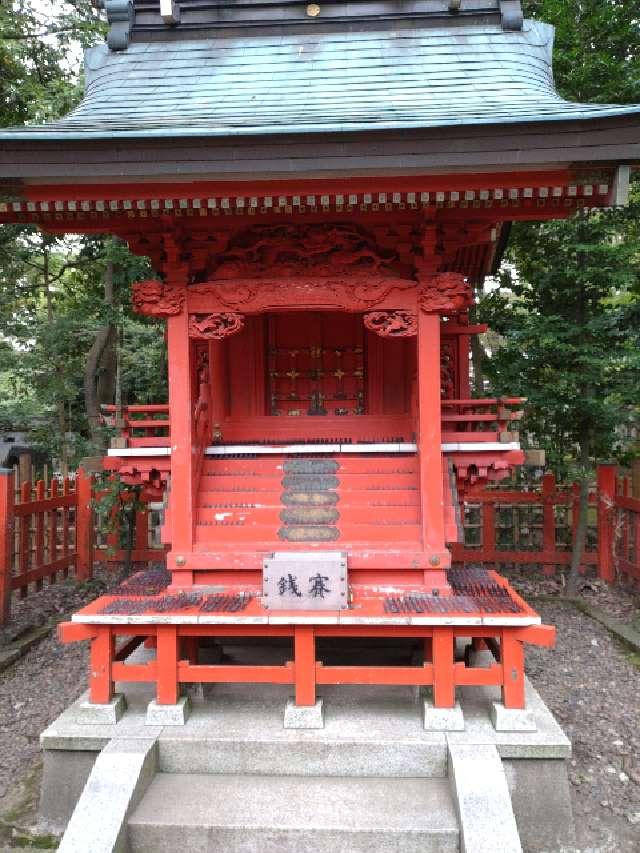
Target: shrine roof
(398,75)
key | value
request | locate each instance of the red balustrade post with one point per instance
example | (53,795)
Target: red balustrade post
(142,531)
(606,491)
(84,525)
(488,549)
(7,522)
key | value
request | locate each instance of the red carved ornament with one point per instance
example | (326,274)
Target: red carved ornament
(392,324)
(320,249)
(254,296)
(446,292)
(156,299)
(216,326)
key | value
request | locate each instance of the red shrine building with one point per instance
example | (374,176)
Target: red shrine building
(319,187)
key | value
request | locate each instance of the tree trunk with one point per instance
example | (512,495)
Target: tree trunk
(131,532)
(106,380)
(92,364)
(580,539)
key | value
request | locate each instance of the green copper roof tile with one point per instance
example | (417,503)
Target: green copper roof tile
(393,78)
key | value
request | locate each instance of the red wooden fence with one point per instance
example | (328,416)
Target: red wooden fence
(46,530)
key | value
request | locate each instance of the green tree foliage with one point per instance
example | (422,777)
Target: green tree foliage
(569,344)
(66,335)
(568,307)
(597,47)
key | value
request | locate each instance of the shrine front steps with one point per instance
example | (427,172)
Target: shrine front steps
(275,499)
(233,780)
(287,814)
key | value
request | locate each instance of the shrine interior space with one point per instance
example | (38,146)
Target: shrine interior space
(319,188)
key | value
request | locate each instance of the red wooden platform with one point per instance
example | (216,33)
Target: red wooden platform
(483,608)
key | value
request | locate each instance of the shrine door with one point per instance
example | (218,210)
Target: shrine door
(315,364)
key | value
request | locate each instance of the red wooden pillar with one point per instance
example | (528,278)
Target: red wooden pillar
(512,660)
(167,670)
(606,491)
(444,689)
(101,664)
(84,525)
(7,524)
(181,497)
(430,442)
(305,665)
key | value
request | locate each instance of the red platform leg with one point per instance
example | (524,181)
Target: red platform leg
(428,650)
(167,657)
(190,649)
(444,690)
(512,659)
(101,662)
(305,665)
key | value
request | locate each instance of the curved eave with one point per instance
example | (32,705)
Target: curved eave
(44,133)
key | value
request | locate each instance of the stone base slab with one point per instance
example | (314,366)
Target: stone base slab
(304,716)
(168,715)
(512,719)
(90,713)
(442,719)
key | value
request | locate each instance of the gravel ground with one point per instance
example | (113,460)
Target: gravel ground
(589,681)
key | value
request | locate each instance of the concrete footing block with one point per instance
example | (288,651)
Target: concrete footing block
(442,719)
(91,713)
(121,774)
(168,715)
(304,716)
(512,719)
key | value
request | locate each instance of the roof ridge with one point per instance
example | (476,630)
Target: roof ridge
(167,20)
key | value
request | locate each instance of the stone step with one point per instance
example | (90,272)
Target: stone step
(381,735)
(285,814)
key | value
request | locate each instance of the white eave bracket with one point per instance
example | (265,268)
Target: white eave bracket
(620,193)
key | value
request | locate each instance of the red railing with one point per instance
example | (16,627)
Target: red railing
(45,531)
(488,419)
(525,527)
(140,426)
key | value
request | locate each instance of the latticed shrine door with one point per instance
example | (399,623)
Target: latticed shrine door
(316,364)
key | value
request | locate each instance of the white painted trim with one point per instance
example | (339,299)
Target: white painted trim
(475,446)
(275,618)
(126,452)
(266,450)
